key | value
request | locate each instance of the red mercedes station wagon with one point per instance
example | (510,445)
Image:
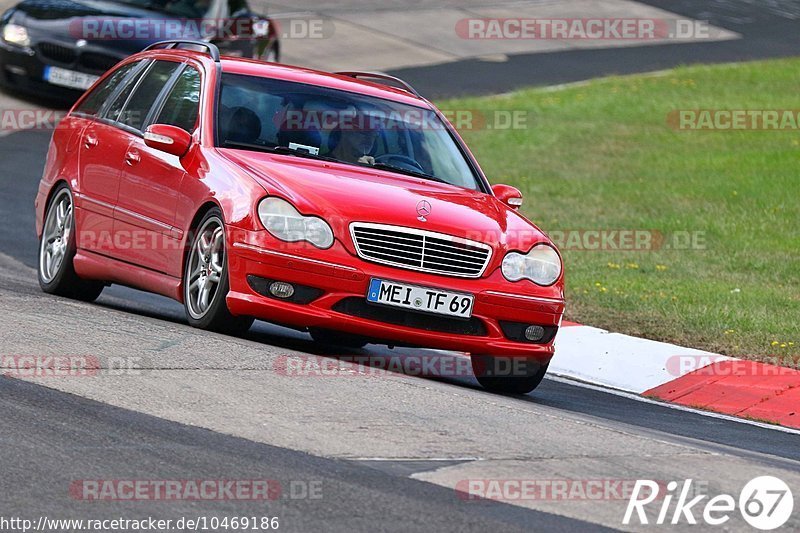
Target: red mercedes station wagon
(345,205)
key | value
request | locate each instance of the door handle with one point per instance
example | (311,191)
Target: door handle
(90,141)
(132,157)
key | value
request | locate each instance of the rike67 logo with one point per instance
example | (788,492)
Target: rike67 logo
(766,503)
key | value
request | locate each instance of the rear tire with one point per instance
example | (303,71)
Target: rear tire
(335,338)
(205,280)
(57,248)
(485,369)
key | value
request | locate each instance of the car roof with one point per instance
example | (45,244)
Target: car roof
(252,67)
(262,69)
(281,71)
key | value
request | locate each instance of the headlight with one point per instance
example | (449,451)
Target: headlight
(282,220)
(16,34)
(541,265)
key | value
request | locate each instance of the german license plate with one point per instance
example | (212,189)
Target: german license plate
(68,78)
(423,299)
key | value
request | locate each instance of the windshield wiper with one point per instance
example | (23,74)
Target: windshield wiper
(408,172)
(283,150)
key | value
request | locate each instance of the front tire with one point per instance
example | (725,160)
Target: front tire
(335,338)
(205,280)
(57,248)
(519,379)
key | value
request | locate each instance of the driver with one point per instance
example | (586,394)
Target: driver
(355,141)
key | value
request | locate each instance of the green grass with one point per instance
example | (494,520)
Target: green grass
(602,156)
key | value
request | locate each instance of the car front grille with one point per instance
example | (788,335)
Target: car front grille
(91,61)
(97,62)
(420,250)
(56,52)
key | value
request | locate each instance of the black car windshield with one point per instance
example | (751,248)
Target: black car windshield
(292,118)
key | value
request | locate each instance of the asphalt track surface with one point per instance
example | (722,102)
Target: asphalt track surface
(768,29)
(51,437)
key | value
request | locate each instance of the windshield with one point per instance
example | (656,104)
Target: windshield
(276,115)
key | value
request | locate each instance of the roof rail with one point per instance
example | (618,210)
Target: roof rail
(213,51)
(381,76)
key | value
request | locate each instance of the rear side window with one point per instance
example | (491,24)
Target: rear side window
(146,92)
(113,111)
(91,104)
(182,106)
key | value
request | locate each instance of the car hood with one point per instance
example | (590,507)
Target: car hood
(343,194)
(95,21)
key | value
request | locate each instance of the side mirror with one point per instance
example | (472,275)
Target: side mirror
(508,195)
(170,139)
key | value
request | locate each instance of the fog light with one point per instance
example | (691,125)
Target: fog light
(281,289)
(534,333)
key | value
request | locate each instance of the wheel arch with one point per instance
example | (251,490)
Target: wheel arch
(48,198)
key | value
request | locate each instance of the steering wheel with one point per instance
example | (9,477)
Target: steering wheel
(401,161)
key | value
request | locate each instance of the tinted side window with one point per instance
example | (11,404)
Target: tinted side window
(146,93)
(116,106)
(92,104)
(182,106)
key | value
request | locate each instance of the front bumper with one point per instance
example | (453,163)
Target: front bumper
(339,304)
(22,69)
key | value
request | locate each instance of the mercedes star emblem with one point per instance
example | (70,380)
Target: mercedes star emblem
(423,210)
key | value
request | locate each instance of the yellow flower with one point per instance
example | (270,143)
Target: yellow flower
(614,265)
(783,345)
(632,266)
(661,268)
(774,343)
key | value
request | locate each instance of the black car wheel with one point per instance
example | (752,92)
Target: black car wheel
(508,375)
(57,249)
(205,281)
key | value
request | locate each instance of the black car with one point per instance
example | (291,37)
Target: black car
(58,48)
